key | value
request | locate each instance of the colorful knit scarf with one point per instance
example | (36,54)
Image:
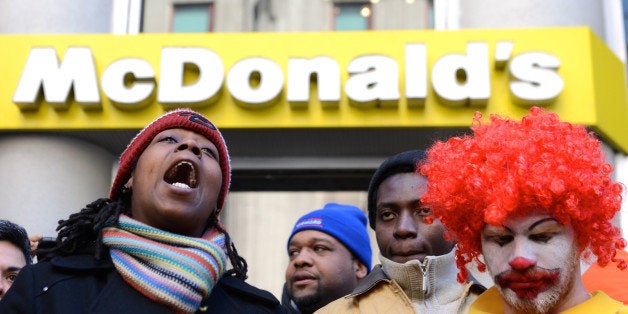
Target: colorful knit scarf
(171,269)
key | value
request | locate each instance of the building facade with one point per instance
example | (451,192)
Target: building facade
(381,77)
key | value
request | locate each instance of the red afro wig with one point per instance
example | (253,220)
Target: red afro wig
(509,168)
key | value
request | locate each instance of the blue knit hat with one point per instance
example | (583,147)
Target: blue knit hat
(346,223)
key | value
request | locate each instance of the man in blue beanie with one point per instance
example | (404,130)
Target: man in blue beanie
(329,252)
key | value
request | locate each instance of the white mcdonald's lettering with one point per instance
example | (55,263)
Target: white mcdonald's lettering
(194,77)
(43,70)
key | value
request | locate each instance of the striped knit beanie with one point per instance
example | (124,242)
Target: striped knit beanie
(401,163)
(346,223)
(179,118)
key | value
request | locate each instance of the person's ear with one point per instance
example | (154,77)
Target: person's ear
(129,184)
(360,269)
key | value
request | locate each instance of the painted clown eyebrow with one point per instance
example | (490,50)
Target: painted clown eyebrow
(534,225)
(540,222)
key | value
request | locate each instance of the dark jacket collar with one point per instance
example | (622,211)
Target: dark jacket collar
(375,277)
(82,262)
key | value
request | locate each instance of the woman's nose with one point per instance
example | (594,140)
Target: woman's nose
(190,145)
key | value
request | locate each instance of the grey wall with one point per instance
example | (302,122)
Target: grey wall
(55,16)
(532,13)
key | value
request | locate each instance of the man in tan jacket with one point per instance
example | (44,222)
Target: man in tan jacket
(417,273)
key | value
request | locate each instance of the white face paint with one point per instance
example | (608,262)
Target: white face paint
(533,261)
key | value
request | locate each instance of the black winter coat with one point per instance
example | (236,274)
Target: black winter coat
(82,284)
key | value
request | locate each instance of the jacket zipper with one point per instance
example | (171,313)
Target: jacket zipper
(424,266)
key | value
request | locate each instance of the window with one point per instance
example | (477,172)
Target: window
(192,18)
(352,16)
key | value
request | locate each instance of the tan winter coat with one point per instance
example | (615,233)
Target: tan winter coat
(377,293)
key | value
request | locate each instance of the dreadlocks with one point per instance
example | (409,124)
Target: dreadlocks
(81,231)
(238,262)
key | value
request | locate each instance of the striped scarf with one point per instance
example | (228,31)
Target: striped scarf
(171,269)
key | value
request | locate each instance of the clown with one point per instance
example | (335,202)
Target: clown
(533,197)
